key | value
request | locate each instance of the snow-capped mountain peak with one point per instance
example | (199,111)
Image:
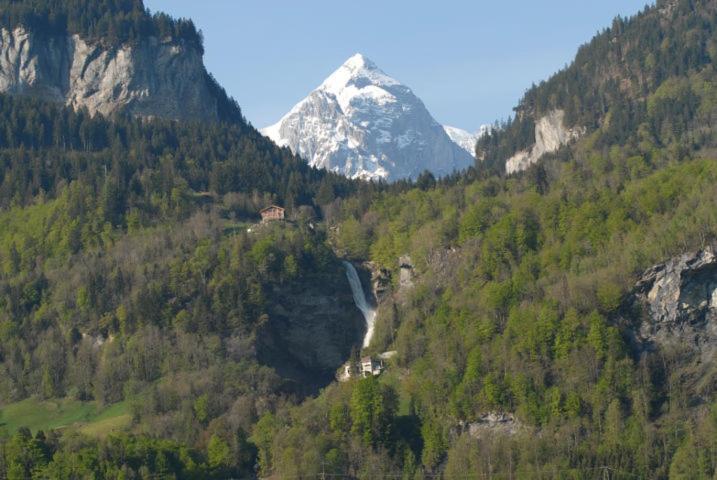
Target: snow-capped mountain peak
(363,123)
(359,76)
(356,68)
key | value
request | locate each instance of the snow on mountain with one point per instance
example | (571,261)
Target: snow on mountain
(465,140)
(364,124)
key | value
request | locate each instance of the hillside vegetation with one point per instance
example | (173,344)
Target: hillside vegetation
(129,278)
(645,81)
(521,282)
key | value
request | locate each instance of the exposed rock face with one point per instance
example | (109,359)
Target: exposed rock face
(494,423)
(364,124)
(380,281)
(312,327)
(550,135)
(405,275)
(156,78)
(680,300)
(491,424)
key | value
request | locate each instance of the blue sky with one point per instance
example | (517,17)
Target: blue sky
(469,61)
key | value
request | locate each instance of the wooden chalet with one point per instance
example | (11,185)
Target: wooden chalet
(271,213)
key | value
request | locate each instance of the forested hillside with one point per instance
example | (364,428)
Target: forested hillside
(519,308)
(134,279)
(44,147)
(127,273)
(646,80)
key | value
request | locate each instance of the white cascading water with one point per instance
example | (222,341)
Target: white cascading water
(369,313)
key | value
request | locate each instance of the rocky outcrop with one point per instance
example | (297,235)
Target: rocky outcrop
(491,424)
(380,281)
(679,303)
(550,134)
(494,423)
(405,272)
(154,78)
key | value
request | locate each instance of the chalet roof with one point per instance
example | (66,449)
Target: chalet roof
(270,207)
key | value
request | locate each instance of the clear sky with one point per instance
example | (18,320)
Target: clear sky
(468,60)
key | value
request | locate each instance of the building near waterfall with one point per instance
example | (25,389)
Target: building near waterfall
(371,366)
(367,367)
(271,213)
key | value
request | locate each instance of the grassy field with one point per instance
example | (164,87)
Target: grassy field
(64,414)
(110,420)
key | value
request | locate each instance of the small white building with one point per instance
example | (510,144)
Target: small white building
(371,366)
(367,367)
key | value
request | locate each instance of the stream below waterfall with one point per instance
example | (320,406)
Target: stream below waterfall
(369,313)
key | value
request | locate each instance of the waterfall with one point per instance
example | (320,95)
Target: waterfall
(369,313)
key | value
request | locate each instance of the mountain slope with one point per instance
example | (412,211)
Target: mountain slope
(647,79)
(364,124)
(131,270)
(135,237)
(561,321)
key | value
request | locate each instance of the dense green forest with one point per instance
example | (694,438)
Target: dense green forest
(133,274)
(111,22)
(127,274)
(140,166)
(515,312)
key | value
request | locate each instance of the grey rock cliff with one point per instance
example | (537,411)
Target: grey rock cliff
(679,300)
(154,78)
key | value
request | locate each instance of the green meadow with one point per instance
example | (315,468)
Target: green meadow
(84,417)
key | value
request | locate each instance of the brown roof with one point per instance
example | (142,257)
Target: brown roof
(269,208)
